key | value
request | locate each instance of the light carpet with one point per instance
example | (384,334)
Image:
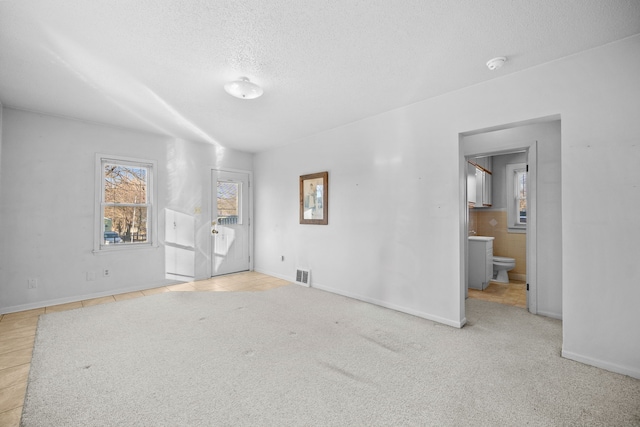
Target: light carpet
(300,356)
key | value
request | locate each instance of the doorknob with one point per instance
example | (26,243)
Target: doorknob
(214,231)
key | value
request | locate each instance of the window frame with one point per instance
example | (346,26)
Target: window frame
(513,218)
(239,207)
(152,210)
(518,199)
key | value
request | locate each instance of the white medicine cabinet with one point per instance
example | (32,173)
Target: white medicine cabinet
(479,182)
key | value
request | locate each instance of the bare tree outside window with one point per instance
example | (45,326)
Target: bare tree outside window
(521,188)
(516,186)
(227,203)
(125,203)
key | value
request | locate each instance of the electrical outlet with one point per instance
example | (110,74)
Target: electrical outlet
(91,276)
(33,283)
(106,272)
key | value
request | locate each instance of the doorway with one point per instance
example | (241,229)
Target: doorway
(230,222)
(485,143)
(542,140)
(497,219)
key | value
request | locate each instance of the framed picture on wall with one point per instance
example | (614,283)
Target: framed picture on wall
(314,198)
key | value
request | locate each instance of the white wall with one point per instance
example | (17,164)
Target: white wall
(389,207)
(396,210)
(48,208)
(1,219)
(0,157)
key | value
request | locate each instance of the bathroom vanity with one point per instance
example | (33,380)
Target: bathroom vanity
(480,261)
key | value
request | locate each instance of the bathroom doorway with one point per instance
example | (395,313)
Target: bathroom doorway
(540,140)
(497,218)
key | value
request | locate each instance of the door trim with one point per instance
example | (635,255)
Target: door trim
(213,215)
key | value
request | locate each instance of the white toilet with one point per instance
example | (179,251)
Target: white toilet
(501,265)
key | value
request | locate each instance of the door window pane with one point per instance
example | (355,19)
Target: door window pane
(228,203)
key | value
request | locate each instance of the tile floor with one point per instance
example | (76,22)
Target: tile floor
(17,332)
(512,293)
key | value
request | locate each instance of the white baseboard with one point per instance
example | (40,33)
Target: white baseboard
(76,298)
(385,304)
(633,372)
(374,301)
(279,276)
(549,314)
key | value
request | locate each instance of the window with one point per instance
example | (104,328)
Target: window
(126,211)
(521,196)
(227,200)
(517,197)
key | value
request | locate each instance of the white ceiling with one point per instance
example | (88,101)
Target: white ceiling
(160,65)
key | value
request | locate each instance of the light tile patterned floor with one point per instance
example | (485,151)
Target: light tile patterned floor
(513,293)
(17,332)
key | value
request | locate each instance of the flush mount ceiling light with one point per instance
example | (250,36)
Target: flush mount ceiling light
(243,89)
(496,63)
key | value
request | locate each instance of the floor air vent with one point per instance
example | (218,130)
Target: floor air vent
(303,277)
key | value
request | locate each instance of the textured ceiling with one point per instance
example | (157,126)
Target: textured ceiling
(160,65)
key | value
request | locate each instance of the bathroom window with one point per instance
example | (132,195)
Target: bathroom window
(517,197)
(124,203)
(521,196)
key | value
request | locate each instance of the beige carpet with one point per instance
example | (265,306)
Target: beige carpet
(299,356)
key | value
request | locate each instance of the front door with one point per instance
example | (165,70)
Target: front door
(230,222)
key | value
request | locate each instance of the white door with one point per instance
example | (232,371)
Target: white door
(230,222)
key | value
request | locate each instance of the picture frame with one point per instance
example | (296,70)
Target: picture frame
(314,198)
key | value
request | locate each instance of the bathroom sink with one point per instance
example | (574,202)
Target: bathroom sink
(481,238)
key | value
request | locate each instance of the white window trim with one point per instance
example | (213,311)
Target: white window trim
(152,222)
(512,214)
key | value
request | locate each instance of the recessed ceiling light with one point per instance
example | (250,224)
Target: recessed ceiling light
(496,63)
(243,89)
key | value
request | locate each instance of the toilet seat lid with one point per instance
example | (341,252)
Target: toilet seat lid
(503,259)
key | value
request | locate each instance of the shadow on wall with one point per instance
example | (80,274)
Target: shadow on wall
(179,246)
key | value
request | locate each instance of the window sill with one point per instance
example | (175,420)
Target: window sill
(517,230)
(128,248)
